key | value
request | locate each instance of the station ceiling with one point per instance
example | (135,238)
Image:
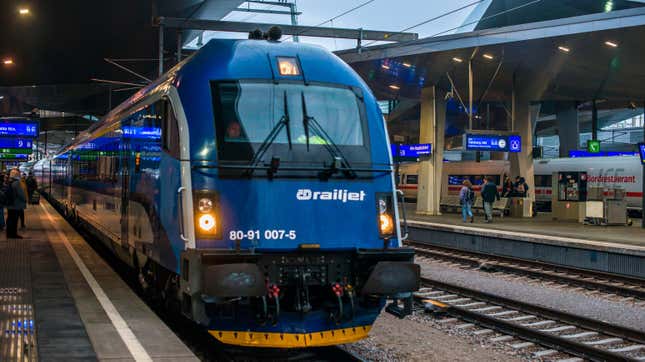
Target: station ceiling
(596,56)
(64,43)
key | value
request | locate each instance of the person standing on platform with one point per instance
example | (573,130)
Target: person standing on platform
(489,195)
(507,189)
(3,180)
(466,199)
(25,190)
(16,201)
(32,185)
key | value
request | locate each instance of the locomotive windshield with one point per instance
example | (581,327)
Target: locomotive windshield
(305,119)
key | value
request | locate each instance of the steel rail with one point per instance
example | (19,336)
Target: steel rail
(637,284)
(533,335)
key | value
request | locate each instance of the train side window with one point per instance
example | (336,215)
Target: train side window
(170,131)
(412,179)
(543,180)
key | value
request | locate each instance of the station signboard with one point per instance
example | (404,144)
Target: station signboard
(19,129)
(494,143)
(584,153)
(16,143)
(641,149)
(593,146)
(13,156)
(411,150)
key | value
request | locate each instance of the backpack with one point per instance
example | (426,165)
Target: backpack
(470,197)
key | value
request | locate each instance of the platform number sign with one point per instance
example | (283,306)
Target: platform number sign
(593,146)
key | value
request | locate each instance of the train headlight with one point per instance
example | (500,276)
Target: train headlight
(207,223)
(385,215)
(206,213)
(386,224)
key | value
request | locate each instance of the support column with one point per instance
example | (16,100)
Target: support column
(432,125)
(522,162)
(568,130)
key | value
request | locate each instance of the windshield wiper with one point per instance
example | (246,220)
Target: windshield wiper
(268,141)
(338,159)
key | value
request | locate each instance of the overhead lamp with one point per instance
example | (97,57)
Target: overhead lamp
(23,11)
(7,61)
(564,49)
(611,44)
(488,56)
(457,60)
(394,87)
(407,65)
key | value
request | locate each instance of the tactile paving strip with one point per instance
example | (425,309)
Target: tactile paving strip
(17,329)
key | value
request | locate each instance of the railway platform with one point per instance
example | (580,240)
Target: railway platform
(60,301)
(611,249)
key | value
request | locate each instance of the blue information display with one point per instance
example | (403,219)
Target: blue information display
(583,153)
(412,151)
(16,143)
(641,148)
(495,143)
(19,129)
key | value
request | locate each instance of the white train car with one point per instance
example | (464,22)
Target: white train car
(622,172)
(608,172)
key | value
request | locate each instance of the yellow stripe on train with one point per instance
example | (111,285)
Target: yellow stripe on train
(292,340)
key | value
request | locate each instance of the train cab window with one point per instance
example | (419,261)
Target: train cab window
(170,131)
(412,179)
(247,112)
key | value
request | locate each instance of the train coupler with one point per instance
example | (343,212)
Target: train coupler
(401,306)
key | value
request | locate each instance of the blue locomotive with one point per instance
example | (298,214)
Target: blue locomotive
(252,184)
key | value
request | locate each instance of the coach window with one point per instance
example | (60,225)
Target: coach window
(170,131)
(412,179)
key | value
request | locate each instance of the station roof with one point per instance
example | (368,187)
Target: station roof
(600,57)
(59,46)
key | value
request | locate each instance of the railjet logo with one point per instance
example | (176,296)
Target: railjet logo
(334,195)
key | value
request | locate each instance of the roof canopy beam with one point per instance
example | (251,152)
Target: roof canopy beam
(313,31)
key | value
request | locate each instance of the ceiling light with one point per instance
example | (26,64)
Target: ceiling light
(7,61)
(385,66)
(611,44)
(395,87)
(23,11)
(407,65)
(1,97)
(488,56)
(457,60)
(564,49)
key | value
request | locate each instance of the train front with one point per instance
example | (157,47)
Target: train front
(297,239)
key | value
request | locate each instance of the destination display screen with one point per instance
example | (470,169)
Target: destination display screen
(412,150)
(581,153)
(12,156)
(494,143)
(19,129)
(641,148)
(16,143)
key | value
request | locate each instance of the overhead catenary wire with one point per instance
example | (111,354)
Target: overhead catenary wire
(348,11)
(434,18)
(467,24)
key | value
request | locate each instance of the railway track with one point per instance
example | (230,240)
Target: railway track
(625,286)
(547,332)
